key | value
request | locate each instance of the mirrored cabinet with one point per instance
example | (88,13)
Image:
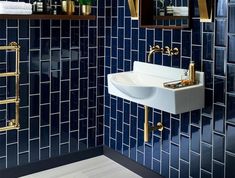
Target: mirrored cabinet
(168,14)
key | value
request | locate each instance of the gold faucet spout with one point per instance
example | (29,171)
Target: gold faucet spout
(153,50)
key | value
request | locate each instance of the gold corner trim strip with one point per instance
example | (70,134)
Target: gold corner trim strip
(205,13)
(133,6)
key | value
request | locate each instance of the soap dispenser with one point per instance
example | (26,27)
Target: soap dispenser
(192,73)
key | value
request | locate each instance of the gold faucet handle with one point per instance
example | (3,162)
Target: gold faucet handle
(155,47)
(175,51)
(167,50)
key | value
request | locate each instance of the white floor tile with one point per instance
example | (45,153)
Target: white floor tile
(98,167)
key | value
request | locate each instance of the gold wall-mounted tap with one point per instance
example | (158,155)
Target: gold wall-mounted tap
(166,50)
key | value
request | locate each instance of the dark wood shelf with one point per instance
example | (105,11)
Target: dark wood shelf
(48,17)
(170,17)
(165,27)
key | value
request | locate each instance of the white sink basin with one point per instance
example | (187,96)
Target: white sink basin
(144,85)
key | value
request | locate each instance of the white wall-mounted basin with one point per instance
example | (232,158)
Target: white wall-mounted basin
(144,85)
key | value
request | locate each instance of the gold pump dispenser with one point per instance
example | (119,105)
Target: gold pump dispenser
(192,72)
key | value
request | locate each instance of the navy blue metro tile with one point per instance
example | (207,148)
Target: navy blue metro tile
(230,161)
(206,157)
(230,145)
(230,108)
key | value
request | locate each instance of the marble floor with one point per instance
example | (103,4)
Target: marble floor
(98,167)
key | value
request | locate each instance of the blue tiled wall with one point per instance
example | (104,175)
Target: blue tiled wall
(193,144)
(61,88)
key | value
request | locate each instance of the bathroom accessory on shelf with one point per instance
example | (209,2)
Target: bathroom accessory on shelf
(169,9)
(14,123)
(86,6)
(8,7)
(68,7)
(160,7)
(38,6)
(180,11)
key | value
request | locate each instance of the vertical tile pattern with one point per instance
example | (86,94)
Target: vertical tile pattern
(194,144)
(61,87)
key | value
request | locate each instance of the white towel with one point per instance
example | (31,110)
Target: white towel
(180,11)
(15,11)
(15,5)
(180,14)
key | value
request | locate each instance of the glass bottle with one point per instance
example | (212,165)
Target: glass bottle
(47,8)
(169,9)
(55,8)
(39,6)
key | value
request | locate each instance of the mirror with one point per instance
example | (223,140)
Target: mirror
(165,14)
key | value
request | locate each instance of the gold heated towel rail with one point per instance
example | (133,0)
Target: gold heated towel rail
(13,123)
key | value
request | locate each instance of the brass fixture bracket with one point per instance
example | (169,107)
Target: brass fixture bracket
(148,129)
(134,8)
(206,10)
(14,123)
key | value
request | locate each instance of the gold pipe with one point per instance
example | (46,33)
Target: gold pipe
(14,123)
(147,128)
(146,124)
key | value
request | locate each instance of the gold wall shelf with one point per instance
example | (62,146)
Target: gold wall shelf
(13,123)
(206,10)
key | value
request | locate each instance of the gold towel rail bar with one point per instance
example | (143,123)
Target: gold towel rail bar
(8,74)
(14,123)
(8,101)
